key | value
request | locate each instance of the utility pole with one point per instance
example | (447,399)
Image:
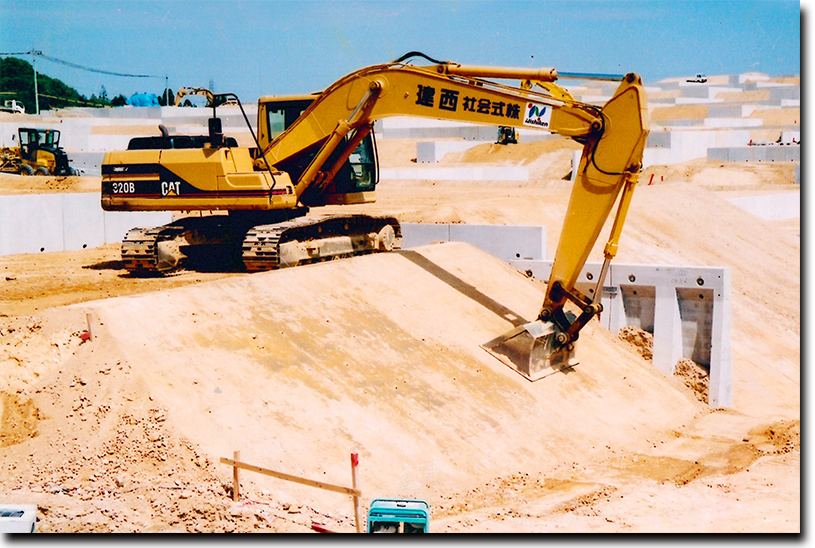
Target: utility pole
(36,91)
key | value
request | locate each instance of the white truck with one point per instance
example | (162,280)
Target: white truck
(13,106)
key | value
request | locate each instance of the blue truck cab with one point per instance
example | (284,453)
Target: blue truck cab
(398,516)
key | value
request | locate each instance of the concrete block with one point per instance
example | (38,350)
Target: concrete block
(39,223)
(789,137)
(87,163)
(667,329)
(419,234)
(720,393)
(792,153)
(771,207)
(732,122)
(788,92)
(697,101)
(506,242)
(681,123)
(740,154)
(696,313)
(430,152)
(117,223)
(639,306)
(83,221)
(658,139)
(718,155)
(31,223)
(713,91)
(774,154)
(694,90)
(725,111)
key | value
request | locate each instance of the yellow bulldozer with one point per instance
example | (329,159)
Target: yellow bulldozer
(319,149)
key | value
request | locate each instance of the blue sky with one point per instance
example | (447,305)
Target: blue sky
(255,47)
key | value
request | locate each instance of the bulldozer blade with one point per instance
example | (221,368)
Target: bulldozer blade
(532,351)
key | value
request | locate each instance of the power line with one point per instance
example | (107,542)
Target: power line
(39,53)
(81,67)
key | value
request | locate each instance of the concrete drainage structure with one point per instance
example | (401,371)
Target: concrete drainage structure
(686,308)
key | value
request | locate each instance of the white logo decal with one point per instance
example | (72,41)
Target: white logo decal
(537,115)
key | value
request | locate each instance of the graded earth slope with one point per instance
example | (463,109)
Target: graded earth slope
(378,355)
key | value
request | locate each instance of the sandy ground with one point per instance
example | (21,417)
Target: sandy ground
(124,432)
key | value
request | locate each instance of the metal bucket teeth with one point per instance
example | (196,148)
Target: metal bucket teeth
(532,351)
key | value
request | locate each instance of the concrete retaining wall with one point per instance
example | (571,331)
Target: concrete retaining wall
(430,152)
(769,153)
(771,207)
(688,145)
(36,223)
(505,242)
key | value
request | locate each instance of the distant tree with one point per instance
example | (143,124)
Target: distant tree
(167,96)
(118,101)
(17,82)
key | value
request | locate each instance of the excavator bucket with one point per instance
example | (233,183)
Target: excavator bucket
(532,350)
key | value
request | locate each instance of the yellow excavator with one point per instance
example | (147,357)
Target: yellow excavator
(315,150)
(183,92)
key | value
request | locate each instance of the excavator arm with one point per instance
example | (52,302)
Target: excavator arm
(613,139)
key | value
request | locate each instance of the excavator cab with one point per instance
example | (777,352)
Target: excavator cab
(355,179)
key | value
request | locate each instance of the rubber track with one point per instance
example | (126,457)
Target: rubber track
(139,247)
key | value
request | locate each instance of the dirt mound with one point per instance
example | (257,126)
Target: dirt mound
(640,339)
(18,419)
(695,377)
(298,368)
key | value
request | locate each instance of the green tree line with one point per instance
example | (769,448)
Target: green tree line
(17,82)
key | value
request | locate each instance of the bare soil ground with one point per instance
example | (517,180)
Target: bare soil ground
(108,435)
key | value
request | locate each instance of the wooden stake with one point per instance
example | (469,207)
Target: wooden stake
(235,478)
(90,326)
(354,464)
